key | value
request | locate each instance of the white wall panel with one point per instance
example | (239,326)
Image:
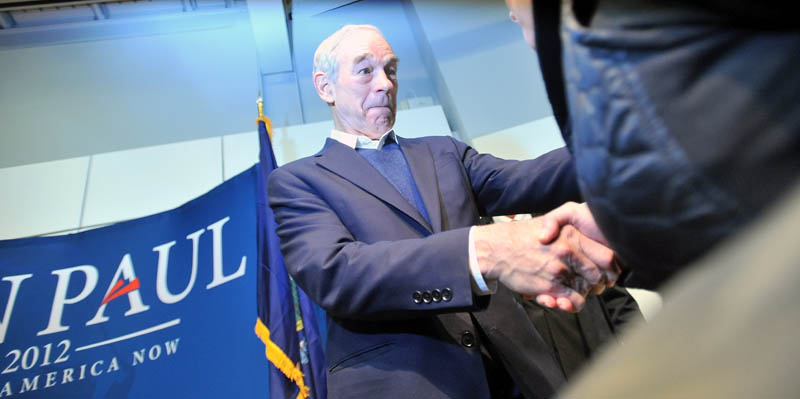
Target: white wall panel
(129,184)
(295,142)
(239,152)
(126,83)
(525,141)
(289,143)
(650,302)
(418,122)
(488,71)
(41,198)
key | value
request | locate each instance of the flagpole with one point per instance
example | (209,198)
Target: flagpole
(261,117)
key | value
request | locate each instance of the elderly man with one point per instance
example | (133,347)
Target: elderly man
(380,231)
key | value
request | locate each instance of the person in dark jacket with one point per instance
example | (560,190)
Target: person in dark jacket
(685,123)
(683,118)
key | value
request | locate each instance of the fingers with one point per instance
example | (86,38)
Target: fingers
(615,272)
(571,301)
(597,253)
(570,213)
(562,303)
(546,300)
(568,301)
(552,222)
(550,228)
(603,257)
(565,304)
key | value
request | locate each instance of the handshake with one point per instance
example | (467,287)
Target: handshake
(558,258)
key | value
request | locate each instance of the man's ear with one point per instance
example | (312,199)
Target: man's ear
(324,87)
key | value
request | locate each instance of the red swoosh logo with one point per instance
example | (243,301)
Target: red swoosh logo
(119,290)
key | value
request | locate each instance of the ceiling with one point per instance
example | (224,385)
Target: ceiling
(27,14)
(20,14)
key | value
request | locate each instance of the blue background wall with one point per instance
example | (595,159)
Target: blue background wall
(74,83)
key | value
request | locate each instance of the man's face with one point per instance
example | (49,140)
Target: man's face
(521,12)
(365,92)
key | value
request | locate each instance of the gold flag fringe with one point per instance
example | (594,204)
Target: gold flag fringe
(281,361)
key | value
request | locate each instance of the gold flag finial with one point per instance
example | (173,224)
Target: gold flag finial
(261,117)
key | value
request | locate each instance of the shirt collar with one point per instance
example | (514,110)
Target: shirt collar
(359,141)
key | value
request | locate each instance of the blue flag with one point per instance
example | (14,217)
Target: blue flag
(287,319)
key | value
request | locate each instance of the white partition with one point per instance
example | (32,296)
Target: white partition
(134,183)
(525,141)
(650,303)
(49,197)
(424,121)
(294,142)
(41,198)
(289,143)
(239,152)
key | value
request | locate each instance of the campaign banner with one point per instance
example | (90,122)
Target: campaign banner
(158,307)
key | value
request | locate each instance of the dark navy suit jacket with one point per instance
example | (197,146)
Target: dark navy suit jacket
(362,251)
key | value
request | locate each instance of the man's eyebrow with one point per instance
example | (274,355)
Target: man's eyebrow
(390,59)
(387,60)
(360,58)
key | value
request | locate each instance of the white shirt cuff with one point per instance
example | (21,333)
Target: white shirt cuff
(479,284)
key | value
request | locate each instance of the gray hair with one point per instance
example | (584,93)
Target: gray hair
(325,59)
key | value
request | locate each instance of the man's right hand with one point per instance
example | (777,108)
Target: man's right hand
(565,270)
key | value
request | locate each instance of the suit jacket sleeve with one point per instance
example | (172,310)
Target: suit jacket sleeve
(505,187)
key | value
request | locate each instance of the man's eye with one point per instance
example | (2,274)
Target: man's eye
(391,72)
(365,71)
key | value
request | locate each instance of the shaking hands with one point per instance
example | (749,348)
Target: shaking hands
(559,258)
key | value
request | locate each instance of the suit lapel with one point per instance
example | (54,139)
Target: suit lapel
(420,161)
(345,162)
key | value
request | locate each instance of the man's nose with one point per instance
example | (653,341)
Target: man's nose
(383,82)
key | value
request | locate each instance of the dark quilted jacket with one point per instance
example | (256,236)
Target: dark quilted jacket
(684,123)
